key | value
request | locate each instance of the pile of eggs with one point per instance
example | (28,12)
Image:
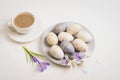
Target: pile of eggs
(67,38)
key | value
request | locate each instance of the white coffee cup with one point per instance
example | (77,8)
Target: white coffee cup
(23,22)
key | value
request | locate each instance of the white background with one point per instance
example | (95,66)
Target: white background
(102,17)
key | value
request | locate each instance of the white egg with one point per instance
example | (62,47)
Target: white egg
(56,52)
(65,36)
(67,47)
(52,39)
(60,27)
(84,35)
(73,28)
(80,45)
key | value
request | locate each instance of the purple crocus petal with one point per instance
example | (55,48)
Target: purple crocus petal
(66,57)
(40,69)
(82,54)
(43,66)
(35,59)
(66,60)
(46,63)
(79,55)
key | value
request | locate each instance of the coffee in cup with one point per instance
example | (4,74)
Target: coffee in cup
(23,22)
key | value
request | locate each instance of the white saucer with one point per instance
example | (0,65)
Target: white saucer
(26,37)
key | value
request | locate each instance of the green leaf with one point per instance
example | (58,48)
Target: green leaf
(32,53)
(27,58)
(65,53)
(70,57)
(36,54)
(28,53)
(31,59)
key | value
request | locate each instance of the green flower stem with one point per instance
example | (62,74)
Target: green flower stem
(31,53)
(70,57)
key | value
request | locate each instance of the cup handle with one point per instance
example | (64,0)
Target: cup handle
(10,25)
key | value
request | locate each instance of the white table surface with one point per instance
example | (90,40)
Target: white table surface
(102,17)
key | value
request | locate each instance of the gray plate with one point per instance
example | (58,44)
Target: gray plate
(45,47)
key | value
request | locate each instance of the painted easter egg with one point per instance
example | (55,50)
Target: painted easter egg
(67,47)
(65,36)
(84,35)
(56,52)
(80,45)
(61,27)
(73,28)
(52,39)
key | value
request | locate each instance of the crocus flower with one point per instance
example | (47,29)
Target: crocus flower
(79,55)
(66,61)
(41,65)
(35,59)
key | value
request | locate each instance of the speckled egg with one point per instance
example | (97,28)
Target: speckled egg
(67,47)
(65,36)
(80,45)
(52,39)
(73,28)
(56,52)
(84,35)
(61,27)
